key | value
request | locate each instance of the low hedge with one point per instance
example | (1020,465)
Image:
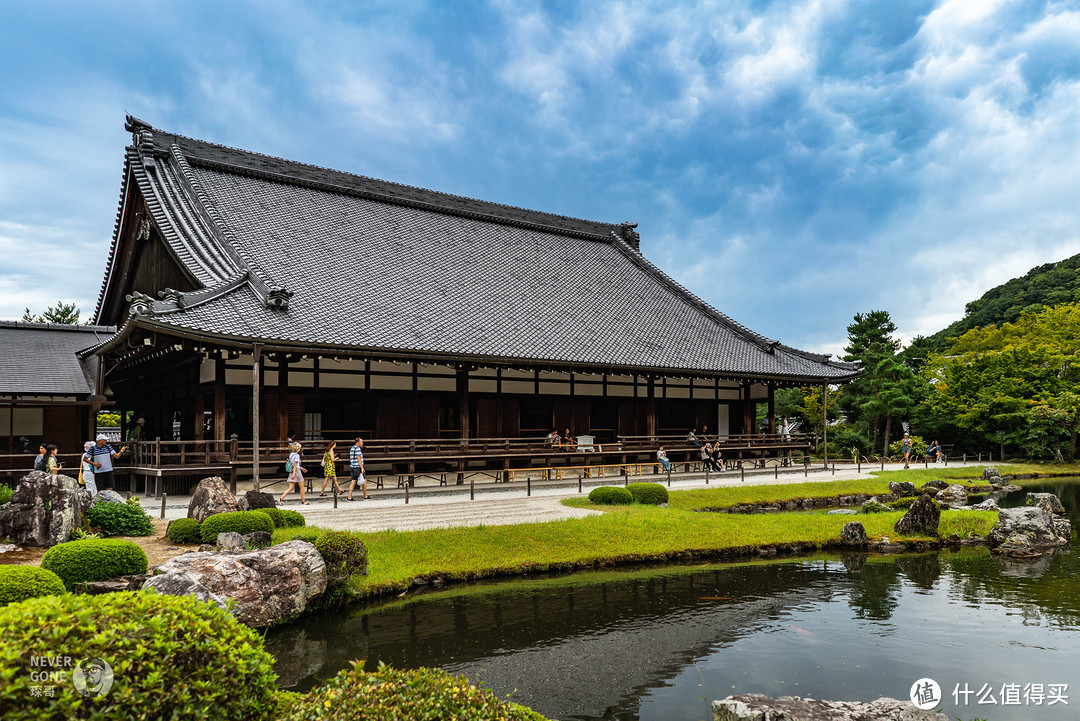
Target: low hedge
(97,559)
(650,494)
(119,519)
(171,657)
(266,512)
(389,694)
(18,583)
(611,496)
(184,530)
(284,518)
(238,521)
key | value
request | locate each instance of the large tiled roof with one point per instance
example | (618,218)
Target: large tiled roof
(367,264)
(40,358)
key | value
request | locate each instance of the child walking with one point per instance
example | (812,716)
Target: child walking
(329,468)
(296,474)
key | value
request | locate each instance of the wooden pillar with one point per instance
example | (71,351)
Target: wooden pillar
(200,400)
(256,387)
(463,401)
(499,404)
(772,409)
(650,408)
(825,421)
(219,400)
(748,408)
(415,401)
(283,398)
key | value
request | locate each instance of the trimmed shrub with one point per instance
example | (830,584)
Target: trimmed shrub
(184,530)
(94,560)
(239,521)
(611,496)
(5,494)
(345,555)
(119,519)
(389,694)
(263,511)
(171,656)
(18,583)
(650,494)
(293,519)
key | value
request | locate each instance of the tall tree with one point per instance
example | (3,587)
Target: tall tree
(62,313)
(886,386)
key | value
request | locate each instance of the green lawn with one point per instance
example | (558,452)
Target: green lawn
(620,535)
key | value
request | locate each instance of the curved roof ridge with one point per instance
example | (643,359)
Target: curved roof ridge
(115,236)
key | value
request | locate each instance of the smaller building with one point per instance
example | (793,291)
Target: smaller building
(47,392)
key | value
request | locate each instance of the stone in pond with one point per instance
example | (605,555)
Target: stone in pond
(854,534)
(1027,531)
(921,519)
(1047,501)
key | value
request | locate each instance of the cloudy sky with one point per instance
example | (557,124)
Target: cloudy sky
(791,162)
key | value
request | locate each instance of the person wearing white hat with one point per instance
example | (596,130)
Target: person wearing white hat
(101,456)
(135,434)
(86,471)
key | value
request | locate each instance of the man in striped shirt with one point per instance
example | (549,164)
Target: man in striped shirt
(356,469)
(101,456)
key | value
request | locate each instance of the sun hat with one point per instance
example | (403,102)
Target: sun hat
(102,437)
(88,445)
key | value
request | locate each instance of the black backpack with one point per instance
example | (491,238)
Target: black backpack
(42,465)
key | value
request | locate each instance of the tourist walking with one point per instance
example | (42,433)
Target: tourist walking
(661,455)
(296,474)
(86,471)
(101,457)
(329,463)
(50,464)
(356,469)
(905,448)
(38,465)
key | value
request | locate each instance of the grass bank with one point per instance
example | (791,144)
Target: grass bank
(620,535)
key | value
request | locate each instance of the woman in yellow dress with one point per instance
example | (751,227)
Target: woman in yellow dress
(329,461)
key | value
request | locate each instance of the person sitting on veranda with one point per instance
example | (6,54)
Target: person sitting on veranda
(707,457)
(691,438)
(661,455)
(553,438)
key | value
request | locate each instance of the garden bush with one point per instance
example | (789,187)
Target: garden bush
(184,530)
(345,555)
(119,519)
(283,518)
(238,521)
(390,694)
(919,447)
(902,504)
(94,560)
(611,496)
(650,494)
(18,583)
(171,657)
(5,494)
(264,511)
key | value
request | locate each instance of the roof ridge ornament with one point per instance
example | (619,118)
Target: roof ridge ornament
(142,138)
(278,297)
(631,236)
(141,304)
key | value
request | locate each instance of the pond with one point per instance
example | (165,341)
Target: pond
(662,643)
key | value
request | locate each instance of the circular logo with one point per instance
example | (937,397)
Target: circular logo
(92,677)
(925,694)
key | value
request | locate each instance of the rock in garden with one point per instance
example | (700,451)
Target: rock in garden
(990,473)
(854,534)
(986,505)
(921,519)
(755,707)
(1047,501)
(1027,531)
(230,541)
(207,547)
(256,539)
(133,582)
(902,488)
(9,548)
(211,496)
(269,586)
(107,496)
(841,512)
(44,509)
(935,485)
(954,495)
(253,500)
(177,584)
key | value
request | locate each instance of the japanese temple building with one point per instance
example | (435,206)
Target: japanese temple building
(357,305)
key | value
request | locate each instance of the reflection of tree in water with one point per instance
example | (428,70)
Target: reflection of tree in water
(923,570)
(875,593)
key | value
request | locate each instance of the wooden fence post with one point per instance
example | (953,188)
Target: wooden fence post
(164,496)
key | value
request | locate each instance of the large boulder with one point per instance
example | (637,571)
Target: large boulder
(211,496)
(268,586)
(990,473)
(1028,531)
(935,485)
(178,584)
(989,504)
(755,707)
(922,518)
(1047,502)
(107,496)
(254,500)
(854,534)
(954,495)
(44,509)
(902,488)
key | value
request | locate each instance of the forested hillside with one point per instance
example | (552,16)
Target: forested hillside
(1041,287)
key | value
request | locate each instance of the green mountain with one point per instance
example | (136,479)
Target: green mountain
(1041,287)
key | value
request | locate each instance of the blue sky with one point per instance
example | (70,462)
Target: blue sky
(793,163)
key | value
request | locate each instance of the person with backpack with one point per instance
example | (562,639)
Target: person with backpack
(296,474)
(101,456)
(39,458)
(329,464)
(47,461)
